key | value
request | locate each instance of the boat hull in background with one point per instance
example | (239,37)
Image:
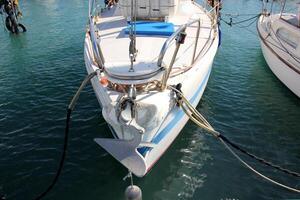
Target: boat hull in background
(285,68)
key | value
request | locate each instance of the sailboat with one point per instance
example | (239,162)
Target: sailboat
(279,35)
(141,49)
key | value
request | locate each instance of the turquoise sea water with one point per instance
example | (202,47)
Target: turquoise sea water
(41,70)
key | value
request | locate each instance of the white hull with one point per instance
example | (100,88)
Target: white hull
(282,65)
(156,139)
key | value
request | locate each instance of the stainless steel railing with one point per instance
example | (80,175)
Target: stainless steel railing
(212,13)
(167,44)
(94,38)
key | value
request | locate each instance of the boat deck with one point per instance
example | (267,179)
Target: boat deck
(114,42)
(291,19)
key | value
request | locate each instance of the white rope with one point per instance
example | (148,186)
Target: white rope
(255,171)
(198,119)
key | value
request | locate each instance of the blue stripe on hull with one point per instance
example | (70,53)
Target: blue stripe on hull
(177,118)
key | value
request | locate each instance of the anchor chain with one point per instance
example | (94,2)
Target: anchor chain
(199,120)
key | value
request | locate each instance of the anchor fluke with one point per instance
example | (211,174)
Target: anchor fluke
(125,151)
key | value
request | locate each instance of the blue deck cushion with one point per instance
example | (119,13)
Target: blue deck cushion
(152,28)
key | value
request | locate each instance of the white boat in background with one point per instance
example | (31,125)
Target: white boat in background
(140,48)
(280,42)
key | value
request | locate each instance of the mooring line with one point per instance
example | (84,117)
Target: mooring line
(238,14)
(239,24)
(2,13)
(231,23)
(257,172)
(65,146)
(287,171)
(199,120)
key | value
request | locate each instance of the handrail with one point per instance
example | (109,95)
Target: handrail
(182,29)
(168,71)
(95,46)
(196,42)
(179,30)
(91,5)
(282,7)
(166,46)
(100,59)
(216,11)
(167,43)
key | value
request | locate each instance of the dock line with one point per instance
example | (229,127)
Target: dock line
(199,120)
(65,147)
